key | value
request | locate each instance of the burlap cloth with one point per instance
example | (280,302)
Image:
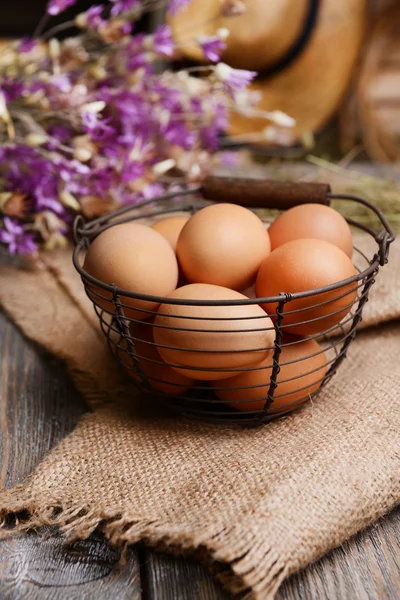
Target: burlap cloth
(258,504)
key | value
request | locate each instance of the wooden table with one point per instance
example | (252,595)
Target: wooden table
(39,406)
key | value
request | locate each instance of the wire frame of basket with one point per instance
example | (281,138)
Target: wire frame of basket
(277,385)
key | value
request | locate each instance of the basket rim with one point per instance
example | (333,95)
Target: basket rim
(283,296)
(93,228)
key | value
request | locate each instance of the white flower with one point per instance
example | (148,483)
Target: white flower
(4,114)
(34,140)
(82,154)
(223,71)
(246,99)
(222,33)
(68,200)
(163,167)
(282,119)
(236,79)
(93,107)
(54,49)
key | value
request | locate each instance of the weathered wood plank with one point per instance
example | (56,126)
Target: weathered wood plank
(41,567)
(367,567)
(38,407)
(171,578)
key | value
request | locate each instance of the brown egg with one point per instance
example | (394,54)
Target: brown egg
(170,229)
(208,342)
(303,265)
(303,366)
(157,373)
(223,244)
(135,258)
(312,221)
(250,292)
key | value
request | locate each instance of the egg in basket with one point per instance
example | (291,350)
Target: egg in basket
(220,316)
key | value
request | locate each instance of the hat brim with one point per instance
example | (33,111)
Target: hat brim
(259,27)
(311,87)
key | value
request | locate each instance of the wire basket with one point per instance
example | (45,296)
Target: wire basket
(278,385)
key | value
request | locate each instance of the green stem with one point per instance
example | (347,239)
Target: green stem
(58,29)
(41,25)
(351,173)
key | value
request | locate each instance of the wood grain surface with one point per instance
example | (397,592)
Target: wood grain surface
(39,406)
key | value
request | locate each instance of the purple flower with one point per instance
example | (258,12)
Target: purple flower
(72,173)
(93,16)
(176,5)
(99,129)
(60,133)
(132,108)
(212,47)
(37,86)
(169,99)
(137,62)
(131,171)
(11,89)
(23,168)
(90,120)
(112,151)
(46,199)
(196,106)
(17,239)
(101,180)
(55,7)
(118,106)
(162,41)
(61,83)
(209,137)
(135,53)
(27,171)
(121,6)
(177,133)
(152,190)
(26,45)
(234,79)
(126,28)
(229,158)
(220,117)
(76,167)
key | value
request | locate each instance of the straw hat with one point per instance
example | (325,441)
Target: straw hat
(304,51)
(377,98)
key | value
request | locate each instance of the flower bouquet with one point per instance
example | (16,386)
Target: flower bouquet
(100,119)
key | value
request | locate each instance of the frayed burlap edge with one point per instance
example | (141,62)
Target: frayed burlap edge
(225,552)
(229,555)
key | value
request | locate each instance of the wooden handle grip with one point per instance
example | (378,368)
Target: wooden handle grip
(263,193)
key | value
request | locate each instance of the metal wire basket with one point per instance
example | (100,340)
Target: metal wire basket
(138,352)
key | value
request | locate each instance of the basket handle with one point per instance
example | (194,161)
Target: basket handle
(264,193)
